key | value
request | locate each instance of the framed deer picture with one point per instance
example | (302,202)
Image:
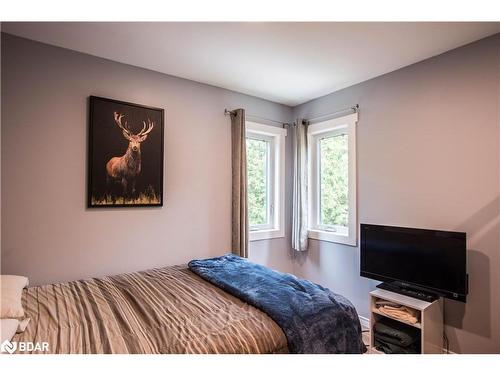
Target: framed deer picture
(125,163)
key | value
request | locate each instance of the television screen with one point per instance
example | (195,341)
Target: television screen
(428,259)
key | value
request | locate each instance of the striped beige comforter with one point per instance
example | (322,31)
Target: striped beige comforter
(165,310)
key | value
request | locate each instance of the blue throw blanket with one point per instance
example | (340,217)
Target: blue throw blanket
(314,319)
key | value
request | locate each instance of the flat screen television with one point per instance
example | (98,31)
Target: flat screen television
(421,260)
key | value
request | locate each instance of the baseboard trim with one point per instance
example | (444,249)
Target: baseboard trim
(448,352)
(365,322)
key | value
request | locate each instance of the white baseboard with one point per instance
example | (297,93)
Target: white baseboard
(449,351)
(365,322)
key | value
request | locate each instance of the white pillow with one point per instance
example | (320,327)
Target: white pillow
(8,328)
(11,289)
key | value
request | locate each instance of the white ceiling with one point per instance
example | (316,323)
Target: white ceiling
(289,63)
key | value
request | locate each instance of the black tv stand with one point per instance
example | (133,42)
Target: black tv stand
(408,291)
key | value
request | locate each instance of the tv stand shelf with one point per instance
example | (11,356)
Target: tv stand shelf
(416,325)
(430,324)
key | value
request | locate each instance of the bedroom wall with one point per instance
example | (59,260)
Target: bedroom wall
(428,156)
(48,234)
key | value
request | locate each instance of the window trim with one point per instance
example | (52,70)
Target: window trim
(316,132)
(276,228)
(270,188)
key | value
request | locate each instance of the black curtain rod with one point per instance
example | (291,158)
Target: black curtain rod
(354,109)
(227,112)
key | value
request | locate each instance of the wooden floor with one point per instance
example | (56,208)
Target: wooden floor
(366,340)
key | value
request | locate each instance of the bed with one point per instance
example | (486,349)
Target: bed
(225,304)
(163,310)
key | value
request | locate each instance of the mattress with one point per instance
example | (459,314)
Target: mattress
(163,310)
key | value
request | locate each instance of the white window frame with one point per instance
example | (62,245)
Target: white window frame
(276,177)
(316,132)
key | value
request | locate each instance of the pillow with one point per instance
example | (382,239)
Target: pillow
(8,328)
(11,289)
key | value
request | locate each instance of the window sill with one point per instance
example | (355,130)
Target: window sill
(322,235)
(265,234)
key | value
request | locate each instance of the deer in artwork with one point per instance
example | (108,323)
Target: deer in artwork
(124,169)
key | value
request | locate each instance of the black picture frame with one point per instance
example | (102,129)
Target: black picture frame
(125,156)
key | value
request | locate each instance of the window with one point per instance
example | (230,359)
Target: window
(332,180)
(266,181)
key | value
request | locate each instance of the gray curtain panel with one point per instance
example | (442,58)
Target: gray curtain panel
(300,182)
(239,175)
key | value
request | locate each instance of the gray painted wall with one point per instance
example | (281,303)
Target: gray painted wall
(428,156)
(49,235)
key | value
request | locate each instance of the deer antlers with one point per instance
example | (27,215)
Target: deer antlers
(126,131)
(150,127)
(124,128)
